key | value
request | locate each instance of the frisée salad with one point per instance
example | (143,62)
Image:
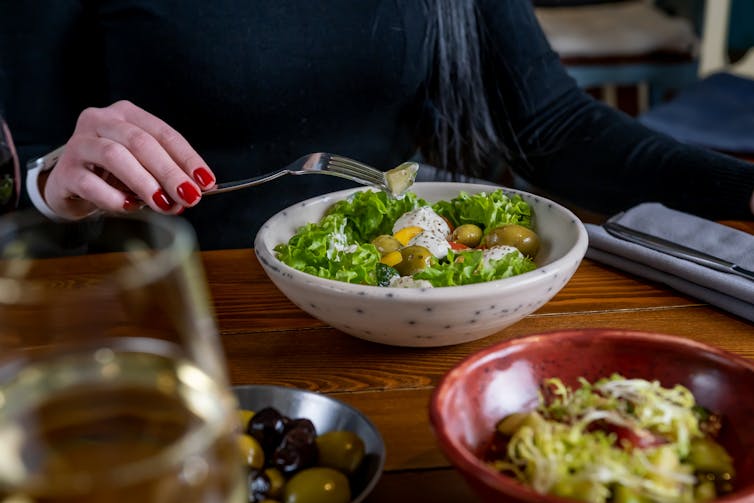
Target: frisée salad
(616,440)
(373,239)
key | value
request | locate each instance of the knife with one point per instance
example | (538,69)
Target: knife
(676,250)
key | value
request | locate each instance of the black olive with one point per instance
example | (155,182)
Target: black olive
(258,484)
(301,424)
(298,450)
(267,427)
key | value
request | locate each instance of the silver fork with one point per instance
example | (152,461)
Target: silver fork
(317,163)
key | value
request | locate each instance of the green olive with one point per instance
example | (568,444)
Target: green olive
(317,485)
(277,482)
(706,455)
(251,451)
(341,449)
(386,244)
(705,491)
(623,494)
(415,258)
(244,416)
(467,234)
(515,235)
(583,490)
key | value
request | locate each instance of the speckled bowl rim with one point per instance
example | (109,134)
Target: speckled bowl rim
(575,253)
(467,462)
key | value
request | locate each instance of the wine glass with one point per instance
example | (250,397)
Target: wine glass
(10,175)
(113,385)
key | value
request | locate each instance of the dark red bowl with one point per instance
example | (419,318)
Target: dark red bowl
(504,378)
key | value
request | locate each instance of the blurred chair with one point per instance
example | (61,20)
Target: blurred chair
(606,44)
(717,112)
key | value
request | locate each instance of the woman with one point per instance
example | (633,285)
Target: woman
(230,89)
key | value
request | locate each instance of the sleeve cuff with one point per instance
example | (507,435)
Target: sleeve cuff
(32,189)
(34,168)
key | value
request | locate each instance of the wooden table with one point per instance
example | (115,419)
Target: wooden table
(268,340)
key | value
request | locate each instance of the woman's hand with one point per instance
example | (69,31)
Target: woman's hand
(120,158)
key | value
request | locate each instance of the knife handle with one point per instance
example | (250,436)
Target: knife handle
(675,250)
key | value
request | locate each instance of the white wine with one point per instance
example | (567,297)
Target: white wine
(116,424)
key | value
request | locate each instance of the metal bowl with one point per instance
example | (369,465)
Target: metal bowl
(327,414)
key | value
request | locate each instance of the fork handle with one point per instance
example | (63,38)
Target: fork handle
(242,184)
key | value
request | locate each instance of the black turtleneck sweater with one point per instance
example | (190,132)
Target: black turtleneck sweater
(254,84)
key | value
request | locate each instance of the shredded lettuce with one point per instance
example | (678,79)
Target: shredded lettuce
(614,440)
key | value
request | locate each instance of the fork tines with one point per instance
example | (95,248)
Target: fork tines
(347,166)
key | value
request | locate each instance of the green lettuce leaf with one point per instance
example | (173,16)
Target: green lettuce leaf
(338,246)
(325,250)
(487,210)
(369,213)
(467,267)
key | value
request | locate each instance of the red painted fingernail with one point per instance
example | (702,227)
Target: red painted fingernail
(188,192)
(203,177)
(132,203)
(162,200)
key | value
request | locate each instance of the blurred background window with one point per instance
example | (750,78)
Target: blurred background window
(741,28)
(717,111)
(640,46)
(684,67)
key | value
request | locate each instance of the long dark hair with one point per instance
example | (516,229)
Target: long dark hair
(460,135)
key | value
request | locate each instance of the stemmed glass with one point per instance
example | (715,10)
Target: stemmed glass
(113,384)
(10,176)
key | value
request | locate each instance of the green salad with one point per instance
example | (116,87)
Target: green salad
(373,239)
(6,188)
(615,440)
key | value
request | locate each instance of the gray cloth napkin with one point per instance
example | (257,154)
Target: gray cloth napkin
(726,291)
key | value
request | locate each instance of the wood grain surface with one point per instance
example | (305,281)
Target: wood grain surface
(268,340)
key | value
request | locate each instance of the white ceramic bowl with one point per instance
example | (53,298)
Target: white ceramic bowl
(431,316)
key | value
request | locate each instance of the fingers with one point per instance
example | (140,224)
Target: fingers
(137,160)
(174,144)
(172,141)
(142,159)
(123,173)
(85,193)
